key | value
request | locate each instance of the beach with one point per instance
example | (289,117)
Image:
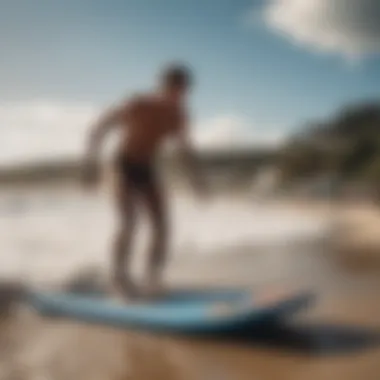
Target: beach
(51,238)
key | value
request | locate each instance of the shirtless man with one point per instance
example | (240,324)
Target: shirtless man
(146,122)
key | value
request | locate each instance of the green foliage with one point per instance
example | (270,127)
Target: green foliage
(348,146)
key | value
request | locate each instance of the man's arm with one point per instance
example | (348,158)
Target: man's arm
(99,130)
(189,156)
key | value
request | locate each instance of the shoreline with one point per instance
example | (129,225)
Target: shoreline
(355,227)
(355,235)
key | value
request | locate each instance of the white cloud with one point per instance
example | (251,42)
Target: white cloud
(39,130)
(42,129)
(347,27)
(232,132)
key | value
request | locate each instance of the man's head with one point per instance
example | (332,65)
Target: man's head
(176,81)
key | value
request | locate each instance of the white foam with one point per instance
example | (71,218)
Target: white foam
(54,234)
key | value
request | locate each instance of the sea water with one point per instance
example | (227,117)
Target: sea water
(51,233)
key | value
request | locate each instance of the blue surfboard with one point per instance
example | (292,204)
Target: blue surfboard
(189,311)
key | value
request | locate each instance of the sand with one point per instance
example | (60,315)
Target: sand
(357,235)
(34,348)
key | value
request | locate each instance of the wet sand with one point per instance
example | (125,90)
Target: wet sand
(322,343)
(357,241)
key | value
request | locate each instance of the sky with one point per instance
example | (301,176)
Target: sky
(263,69)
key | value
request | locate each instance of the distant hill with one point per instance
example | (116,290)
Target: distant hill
(242,162)
(346,146)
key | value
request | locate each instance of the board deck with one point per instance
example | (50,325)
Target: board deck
(206,311)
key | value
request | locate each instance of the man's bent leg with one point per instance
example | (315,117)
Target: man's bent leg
(158,250)
(122,244)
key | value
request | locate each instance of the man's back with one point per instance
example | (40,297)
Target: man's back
(149,120)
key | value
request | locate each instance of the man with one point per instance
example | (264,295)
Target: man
(146,122)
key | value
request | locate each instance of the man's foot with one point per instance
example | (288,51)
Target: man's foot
(126,288)
(153,289)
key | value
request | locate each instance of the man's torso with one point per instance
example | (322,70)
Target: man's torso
(149,121)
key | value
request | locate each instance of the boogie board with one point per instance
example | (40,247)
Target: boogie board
(190,311)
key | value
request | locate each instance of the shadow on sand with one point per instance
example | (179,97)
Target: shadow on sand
(310,339)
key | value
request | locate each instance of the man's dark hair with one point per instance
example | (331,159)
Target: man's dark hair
(177,75)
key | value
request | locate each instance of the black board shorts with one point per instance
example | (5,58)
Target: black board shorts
(140,175)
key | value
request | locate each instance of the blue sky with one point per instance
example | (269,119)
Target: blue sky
(247,67)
